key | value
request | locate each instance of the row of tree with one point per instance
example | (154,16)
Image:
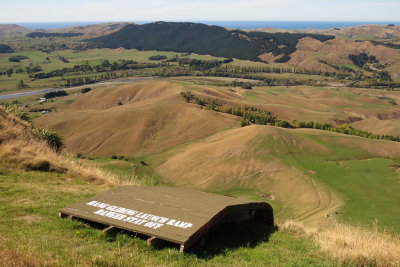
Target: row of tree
(252,115)
(106,66)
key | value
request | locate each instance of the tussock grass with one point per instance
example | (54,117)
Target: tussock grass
(351,245)
(13,258)
(22,147)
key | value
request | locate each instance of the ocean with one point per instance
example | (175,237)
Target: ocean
(291,25)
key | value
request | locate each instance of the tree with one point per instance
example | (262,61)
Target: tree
(9,72)
(21,84)
(105,63)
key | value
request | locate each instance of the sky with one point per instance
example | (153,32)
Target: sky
(199,10)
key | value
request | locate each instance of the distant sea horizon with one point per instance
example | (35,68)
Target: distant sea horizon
(289,25)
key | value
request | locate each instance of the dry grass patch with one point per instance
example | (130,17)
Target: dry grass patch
(14,258)
(351,245)
(22,147)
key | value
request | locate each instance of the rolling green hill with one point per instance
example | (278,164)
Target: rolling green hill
(203,39)
(197,147)
(317,177)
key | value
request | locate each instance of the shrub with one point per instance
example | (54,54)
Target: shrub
(187,95)
(86,90)
(244,123)
(80,156)
(17,58)
(114,157)
(13,108)
(157,57)
(228,60)
(6,49)
(247,86)
(52,138)
(55,94)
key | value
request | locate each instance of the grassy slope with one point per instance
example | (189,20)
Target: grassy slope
(153,117)
(29,204)
(30,201)
(285,163)
(323,104)
(378,109)
(364,172)
(217,159)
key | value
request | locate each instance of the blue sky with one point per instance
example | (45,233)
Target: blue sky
(198,10)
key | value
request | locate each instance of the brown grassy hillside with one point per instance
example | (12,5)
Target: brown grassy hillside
(254,157)
(12,29)
(250,156)
(306,103)
(136,119)
(310,52)
(95,30)
(153,116)
(238,159)
(362,32)
(22,147)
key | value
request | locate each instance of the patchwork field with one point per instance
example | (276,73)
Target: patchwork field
(67,59)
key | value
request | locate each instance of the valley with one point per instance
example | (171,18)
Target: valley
(307,121)
(184,142)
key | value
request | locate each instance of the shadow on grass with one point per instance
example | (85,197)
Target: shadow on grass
(217,242)
(231,236)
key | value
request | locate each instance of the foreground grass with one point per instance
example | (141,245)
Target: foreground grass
(32,234)
(352,246)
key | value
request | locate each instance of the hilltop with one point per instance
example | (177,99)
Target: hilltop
(203,39)
(362,32)
(12,29)
(91,31)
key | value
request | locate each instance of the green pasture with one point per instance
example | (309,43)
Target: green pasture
(29,205)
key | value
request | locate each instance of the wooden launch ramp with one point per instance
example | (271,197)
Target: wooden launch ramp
(167,214)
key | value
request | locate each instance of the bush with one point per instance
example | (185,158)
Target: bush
(187,95)
(17,58)
(52,138)
(247,86)
(114,157)
(6,49)
(55,94)
(80,156)
(244,123)
(157,57)
(228,60)
(86,90)
(13,108)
